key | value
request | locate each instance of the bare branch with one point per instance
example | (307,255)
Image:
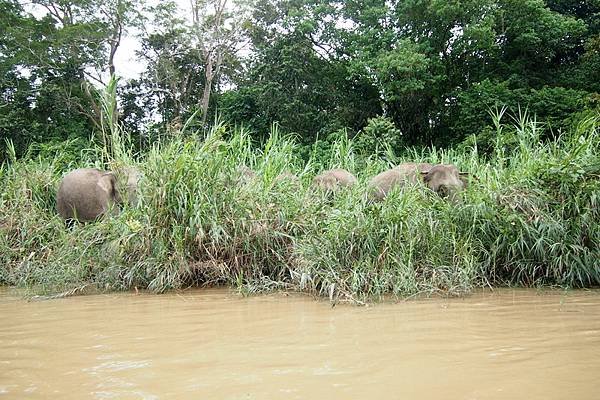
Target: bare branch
(94,78)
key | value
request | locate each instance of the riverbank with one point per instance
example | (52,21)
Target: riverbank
(529,217)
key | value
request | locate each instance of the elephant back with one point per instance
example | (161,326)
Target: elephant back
(334,179)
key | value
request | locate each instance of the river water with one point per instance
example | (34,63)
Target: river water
(213,344)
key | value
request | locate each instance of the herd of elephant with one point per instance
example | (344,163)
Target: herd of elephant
(88,193)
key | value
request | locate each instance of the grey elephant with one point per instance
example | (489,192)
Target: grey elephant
(87,193)
(333,180)
(245,175)
(131,177)
(444,179)
(383,183)
(288,177)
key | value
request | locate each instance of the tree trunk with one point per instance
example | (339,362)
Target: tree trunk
(212,50)
(115,42)
(207,90)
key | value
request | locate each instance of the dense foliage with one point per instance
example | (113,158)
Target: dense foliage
(300,86)
(433,69)
(530,216)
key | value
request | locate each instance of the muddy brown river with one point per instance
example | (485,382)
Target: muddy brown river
(214,344)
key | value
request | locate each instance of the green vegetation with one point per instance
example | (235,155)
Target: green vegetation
(431,68)
(301,86)
(531,217)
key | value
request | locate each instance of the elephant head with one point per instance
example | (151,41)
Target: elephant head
(245,175)
(129,177)
(445,179)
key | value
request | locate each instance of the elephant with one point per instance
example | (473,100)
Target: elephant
(131,177)
(289,177)
(383,183)
(245,175)
(87,193)
(412,170)
(444,179)
(334,179)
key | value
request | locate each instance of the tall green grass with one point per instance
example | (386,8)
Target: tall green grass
(529,217)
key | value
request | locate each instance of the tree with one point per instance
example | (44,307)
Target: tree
(37,72)
(51,65)
(217,30)
(415,59)
(428,70)
(297,75)
(88,34)
(171,86)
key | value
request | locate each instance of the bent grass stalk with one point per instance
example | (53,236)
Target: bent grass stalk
(529,220)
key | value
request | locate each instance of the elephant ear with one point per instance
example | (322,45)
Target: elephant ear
(107,183)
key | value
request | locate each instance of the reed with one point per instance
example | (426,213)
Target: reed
(529,218)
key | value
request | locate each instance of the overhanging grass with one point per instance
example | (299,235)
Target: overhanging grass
(530,218)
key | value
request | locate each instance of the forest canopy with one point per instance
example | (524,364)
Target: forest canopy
(409,72)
